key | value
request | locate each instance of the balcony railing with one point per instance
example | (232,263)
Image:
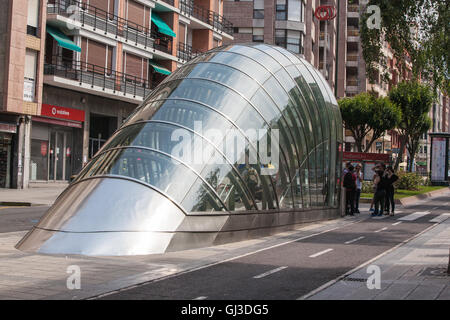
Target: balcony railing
(171,2)
(210,17)
(111,23)
(352,82)
(353,8)
(186,52)
(352,32)
(352,57)
(97,76)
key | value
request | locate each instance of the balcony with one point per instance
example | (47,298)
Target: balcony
(171,2)
(110,23)
(352,59)
(186,52)
(212,18)
(98,80)
(353,33)
(353,8)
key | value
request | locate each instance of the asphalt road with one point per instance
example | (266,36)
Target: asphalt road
(288,271)
(294,269)
(20,218)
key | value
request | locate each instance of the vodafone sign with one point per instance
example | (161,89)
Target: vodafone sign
(62,113)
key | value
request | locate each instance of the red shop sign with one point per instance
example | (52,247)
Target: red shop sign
(62,113)
(43,148)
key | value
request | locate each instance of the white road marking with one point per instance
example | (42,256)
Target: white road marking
(354,240)
(434,208)
(382,229)
(200,298)
(331,282)
(396,223)
(440,218)
(320,253)
(262,275)
(414,216)
(399,211)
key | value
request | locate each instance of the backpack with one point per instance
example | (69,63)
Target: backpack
(348,181)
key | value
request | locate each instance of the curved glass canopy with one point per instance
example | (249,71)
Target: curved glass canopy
(230,95)
(238,88)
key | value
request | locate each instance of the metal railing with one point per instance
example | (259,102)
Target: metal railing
(352,82)
(171,2)
(352,57)
(212,18)
(352,32)
(110,23)
(353,8)
(98,76)
(186,52)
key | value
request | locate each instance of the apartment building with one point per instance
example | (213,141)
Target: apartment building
(75,69)
(287,23)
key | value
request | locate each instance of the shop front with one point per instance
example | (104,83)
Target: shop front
(55,143)
(7,131)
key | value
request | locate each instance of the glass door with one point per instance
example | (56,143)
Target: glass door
(60,155)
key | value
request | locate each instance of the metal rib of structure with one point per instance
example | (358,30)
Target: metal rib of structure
(137,196)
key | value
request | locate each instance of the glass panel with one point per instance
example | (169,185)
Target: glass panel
(319,102)
(68,154)
(158,170)
(39,159)
(51,175)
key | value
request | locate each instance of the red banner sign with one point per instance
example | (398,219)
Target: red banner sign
(62,113)
(366,156)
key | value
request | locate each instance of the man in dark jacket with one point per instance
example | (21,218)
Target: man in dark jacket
(391,177)
(350,189)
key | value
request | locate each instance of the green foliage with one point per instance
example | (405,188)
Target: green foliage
(417,31)
(414,100)
(365,113)
(367,187)
(408,181)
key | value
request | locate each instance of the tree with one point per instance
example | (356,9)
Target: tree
(417,31)
(364,113)
(415,100)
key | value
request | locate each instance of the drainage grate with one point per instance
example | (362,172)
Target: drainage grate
(435,272)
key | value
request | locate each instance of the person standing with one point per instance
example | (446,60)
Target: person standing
(359,180)
(391,177)
(350,188)
(380,194)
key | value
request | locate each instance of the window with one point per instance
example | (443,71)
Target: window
(258,14)
(294,10)
(30,75)
(235,30)
(258,38)
(281,11)
(33,17)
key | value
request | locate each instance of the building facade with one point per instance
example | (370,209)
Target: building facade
(86,65)
(286,23)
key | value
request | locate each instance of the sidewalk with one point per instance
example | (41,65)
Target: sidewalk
(415,270)
(44,195)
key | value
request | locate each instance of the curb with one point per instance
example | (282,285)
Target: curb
(412,199)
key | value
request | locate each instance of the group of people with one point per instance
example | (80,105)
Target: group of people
(383,189)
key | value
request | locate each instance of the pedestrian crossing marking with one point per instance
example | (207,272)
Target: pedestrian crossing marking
(440,218)
(414,216)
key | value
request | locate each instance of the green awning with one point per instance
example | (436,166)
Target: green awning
(62,39)
(158,68)
(162,26)
(421,163)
